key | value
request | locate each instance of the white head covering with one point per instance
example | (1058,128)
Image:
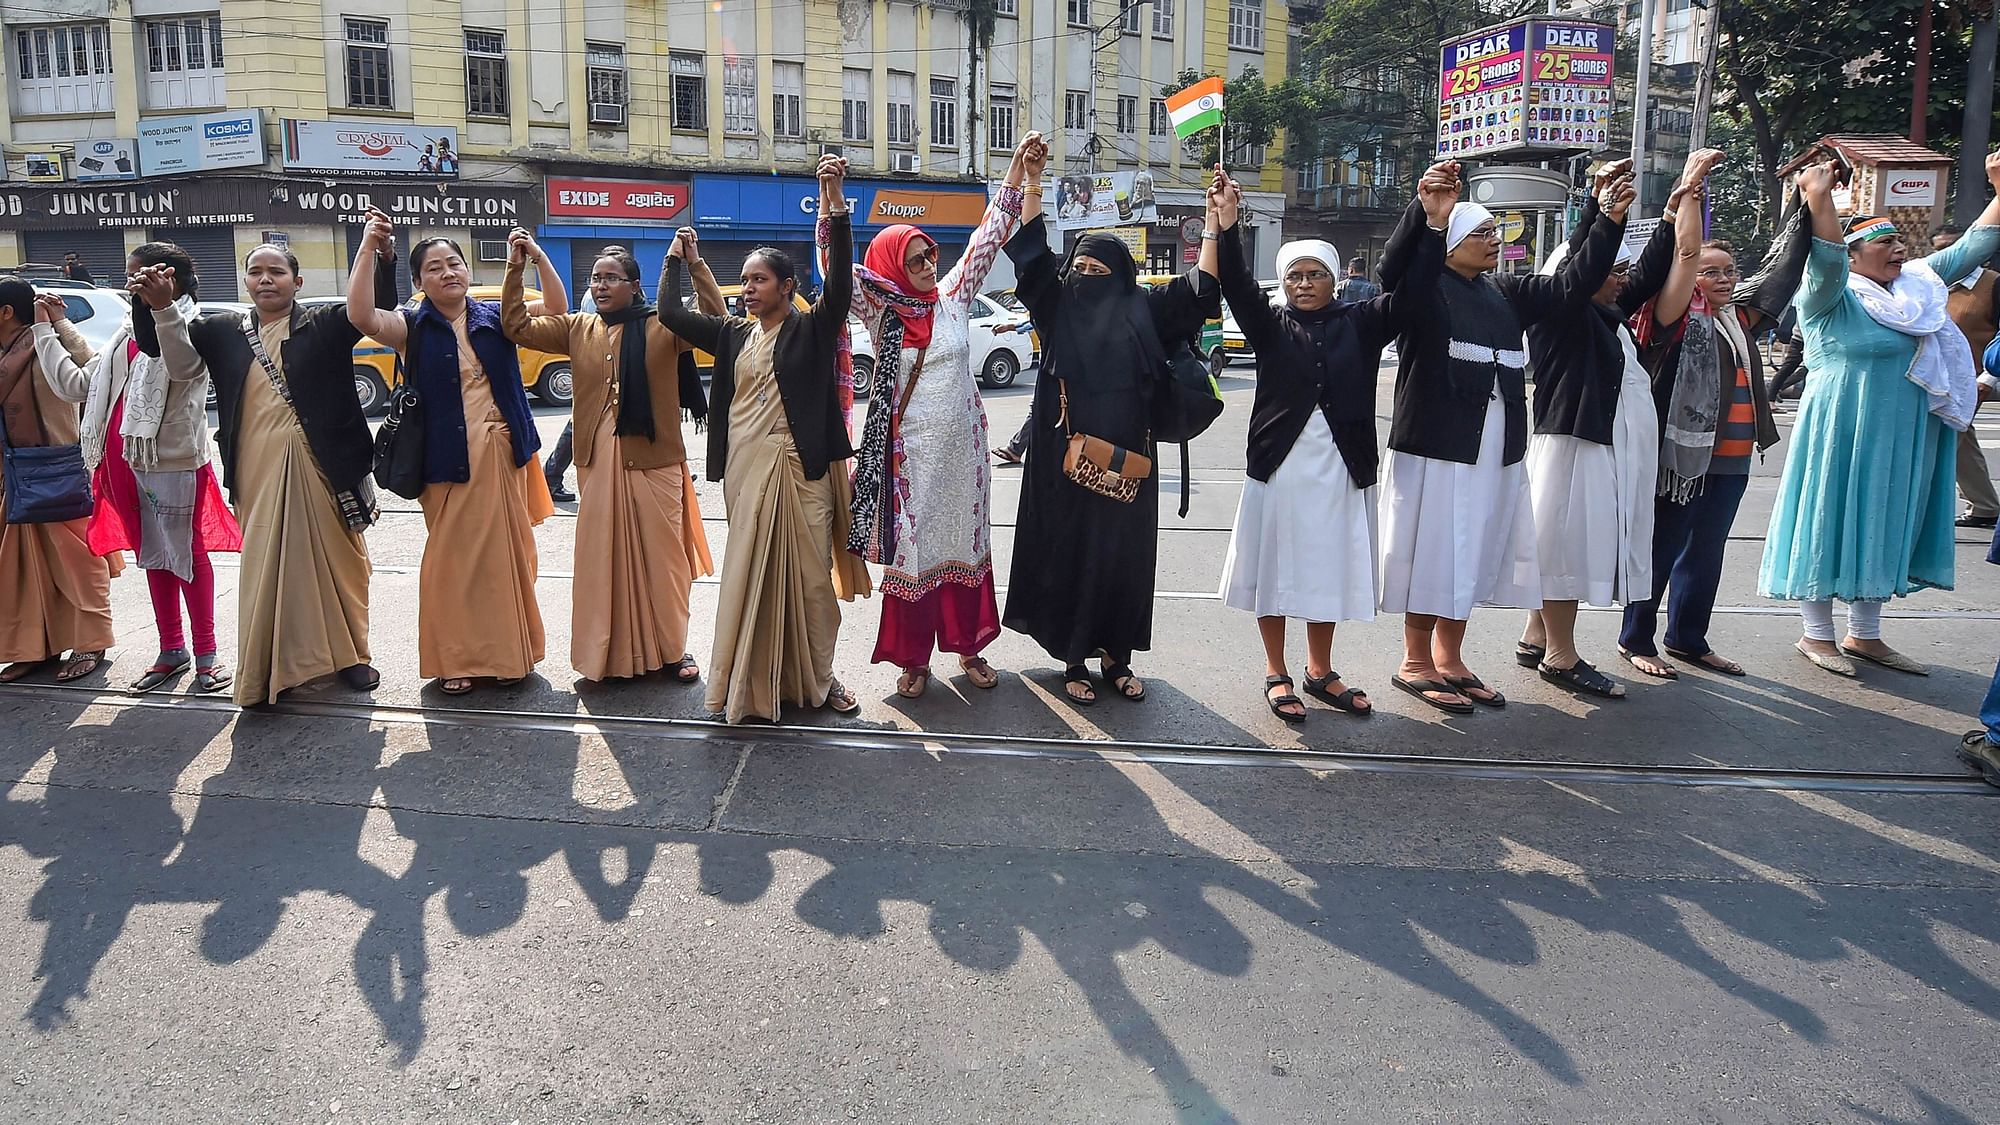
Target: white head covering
(1561,255)
(1308,249)
(1464,217)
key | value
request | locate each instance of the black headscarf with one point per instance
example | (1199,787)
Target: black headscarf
(1106,315)
(635,394)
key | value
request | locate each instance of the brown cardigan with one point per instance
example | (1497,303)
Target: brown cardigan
(1973,309)
(592,346)
(37,410)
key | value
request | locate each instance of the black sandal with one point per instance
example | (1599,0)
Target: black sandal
(1728,667)
(157,675)
(1114,673)
(1423,690)
(1529,655)
(1466,685)
(1078,674)
(680,669)
(1582,677)
(1633,658)
(361,677)
(1277,702)
(1339,701)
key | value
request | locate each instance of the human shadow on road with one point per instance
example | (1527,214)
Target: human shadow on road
(89,890)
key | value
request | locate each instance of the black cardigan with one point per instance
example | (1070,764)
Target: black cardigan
(318,361)
(1578,363)
(806,358)
(1293,369)
(1432,419)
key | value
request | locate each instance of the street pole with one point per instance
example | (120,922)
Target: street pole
(1920,96)
(1978,133)
(1704,78)
(1639,103)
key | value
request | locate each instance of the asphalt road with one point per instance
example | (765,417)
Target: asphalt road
(1758,900)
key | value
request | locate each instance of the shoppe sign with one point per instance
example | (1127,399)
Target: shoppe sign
(1525,89)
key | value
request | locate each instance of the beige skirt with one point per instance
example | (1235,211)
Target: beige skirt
(476,609)
(56,594)
(639,548)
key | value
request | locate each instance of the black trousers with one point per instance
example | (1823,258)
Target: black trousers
(558,463)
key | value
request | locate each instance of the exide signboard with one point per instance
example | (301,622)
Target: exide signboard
(588,199)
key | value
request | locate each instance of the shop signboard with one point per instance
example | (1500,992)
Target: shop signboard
(201,142)
(373,148)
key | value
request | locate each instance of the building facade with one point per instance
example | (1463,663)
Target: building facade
(220,126)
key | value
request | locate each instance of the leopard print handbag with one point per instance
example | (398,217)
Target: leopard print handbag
(1098,465)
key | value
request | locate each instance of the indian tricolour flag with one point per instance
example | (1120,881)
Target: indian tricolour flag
(1196,108)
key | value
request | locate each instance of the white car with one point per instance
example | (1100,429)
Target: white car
(1235,348)
(1002,341)
(97,313)
(863,345)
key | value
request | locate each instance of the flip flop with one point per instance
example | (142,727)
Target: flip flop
(1894,660)
(156,675)
(1121,679)
(912,682)
(980,673)
(20,670)
(457,685)
(1728,667)
(79,665)
(1422,689)
(841,700)
(1633,658)
(212,679)
(1277,703)
(1466,685)
(1341,700)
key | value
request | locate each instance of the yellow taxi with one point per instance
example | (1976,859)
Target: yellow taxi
(1211,332)
(546,374)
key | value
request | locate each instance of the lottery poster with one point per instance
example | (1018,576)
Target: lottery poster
(1482,92)
(1569,84)
(1532,86)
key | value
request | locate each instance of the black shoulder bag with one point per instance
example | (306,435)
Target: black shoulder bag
(399,444)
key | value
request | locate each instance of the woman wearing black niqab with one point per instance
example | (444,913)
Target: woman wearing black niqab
(1082,577)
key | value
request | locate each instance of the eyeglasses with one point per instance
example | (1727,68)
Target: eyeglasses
(929,255)
(1718,275)
(1307,278)
(609,279)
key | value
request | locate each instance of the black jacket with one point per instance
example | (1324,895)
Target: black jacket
(1578,363)
(319,369)
(807,359)
(1329,367)
(1441,402)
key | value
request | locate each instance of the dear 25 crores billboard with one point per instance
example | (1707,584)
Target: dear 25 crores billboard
(1534,85)
(1482,91)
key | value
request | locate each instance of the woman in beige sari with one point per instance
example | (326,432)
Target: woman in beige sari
(776,372)
(55,595)
(639,539)
(484,493)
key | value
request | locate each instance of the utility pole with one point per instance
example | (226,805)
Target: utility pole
(1098,43)
(1978,133)
(1709,27)
(1640,98)
(1920,96)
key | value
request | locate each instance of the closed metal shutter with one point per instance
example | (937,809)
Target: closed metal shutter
(102,250)
(402,240)
(213,249)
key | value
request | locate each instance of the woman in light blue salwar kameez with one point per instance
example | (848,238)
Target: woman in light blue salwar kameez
(1865,506)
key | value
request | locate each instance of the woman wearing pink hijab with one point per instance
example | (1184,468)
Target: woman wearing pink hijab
(920,479)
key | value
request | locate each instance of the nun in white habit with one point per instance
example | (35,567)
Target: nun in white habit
(1304,543)
(1458,528)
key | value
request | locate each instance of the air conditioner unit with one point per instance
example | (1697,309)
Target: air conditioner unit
(492,250)
(607,113)
(907,163)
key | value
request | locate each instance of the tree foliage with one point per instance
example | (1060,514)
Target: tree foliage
(1253,112)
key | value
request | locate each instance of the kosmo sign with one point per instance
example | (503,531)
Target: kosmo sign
(597,200)
(373,147)
(1909,187)
(201,141)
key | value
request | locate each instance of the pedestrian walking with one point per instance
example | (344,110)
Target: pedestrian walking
(639,538)
(1865,507)
(1084,560)
(1708,395)
(296,456)
(1304,542)
(556,467)
(1458,526)
(922,489)
(1974,305)
(57,592)
(1593,462)
(146,442)
(777,432)
(483,492)
(1790,350)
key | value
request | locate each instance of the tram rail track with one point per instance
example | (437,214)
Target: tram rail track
(887,739)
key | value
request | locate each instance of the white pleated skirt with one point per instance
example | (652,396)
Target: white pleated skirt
(1593,503)
(1304,545)
(1455,536)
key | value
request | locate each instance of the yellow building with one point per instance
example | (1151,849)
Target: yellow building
(222,125)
